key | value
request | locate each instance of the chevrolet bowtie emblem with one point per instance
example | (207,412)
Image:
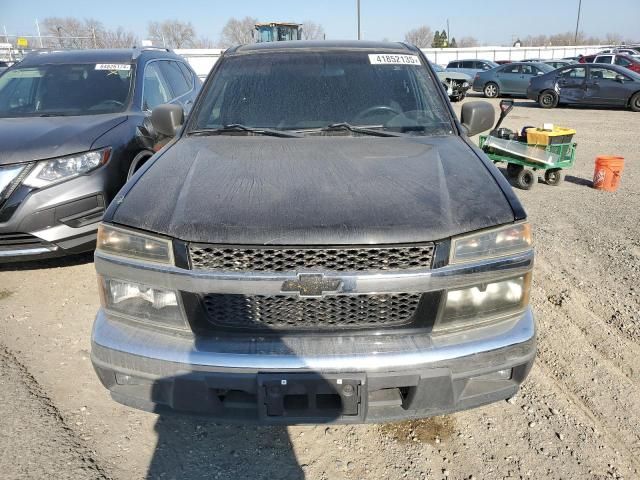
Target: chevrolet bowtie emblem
(311,285)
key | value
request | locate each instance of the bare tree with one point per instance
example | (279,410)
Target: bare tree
(172,33)
(613,39)
(238,32)
(421,37)
(203,42)
(312,31)
(69,32)
(118,38)
(467,42)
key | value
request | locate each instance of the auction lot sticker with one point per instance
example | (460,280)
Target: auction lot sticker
(390,59)
(113,66)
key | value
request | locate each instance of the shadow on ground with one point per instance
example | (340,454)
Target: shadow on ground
(192,447)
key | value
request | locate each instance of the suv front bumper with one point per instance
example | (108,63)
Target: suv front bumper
(395,376)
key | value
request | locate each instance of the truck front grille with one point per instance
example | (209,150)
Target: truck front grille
(258,312)
(288,259)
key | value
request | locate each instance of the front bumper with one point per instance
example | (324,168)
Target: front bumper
(396,376)
(54,221)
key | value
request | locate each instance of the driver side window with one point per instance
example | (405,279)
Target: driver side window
(155,90)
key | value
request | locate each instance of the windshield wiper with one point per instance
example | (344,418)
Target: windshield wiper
(362,130)
(237,127)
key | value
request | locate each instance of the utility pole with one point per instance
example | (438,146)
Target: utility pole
(39,36)
(575,38)
(358,4)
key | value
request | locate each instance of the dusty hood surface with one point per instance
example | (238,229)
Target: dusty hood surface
(454,76)
(315,190)
(35,138)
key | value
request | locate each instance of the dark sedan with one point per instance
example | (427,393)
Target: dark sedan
(511,79)
(587,84)
(73,127)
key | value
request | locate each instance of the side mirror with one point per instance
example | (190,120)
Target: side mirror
(540,73)
(167,119)
(477,117)
(620,78)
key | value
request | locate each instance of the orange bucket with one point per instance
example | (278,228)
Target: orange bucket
(608,172)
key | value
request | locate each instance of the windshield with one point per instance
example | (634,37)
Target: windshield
(311,90)
(54,89)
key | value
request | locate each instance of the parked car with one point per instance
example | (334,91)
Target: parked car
(470,67)
(4,65)
(456,84)
(558,63)
(587,84)
(511,79)
(74,125)
(321,242)
(625,51)
(626,61)
(503,62)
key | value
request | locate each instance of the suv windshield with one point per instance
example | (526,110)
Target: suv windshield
(307,91)
(54,89)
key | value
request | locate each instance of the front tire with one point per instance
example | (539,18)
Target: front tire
(526,179)
(634,104)
(548,99)
(553,176)
(491,90)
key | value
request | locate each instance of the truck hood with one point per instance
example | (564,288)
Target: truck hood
(26,139)
(329,190)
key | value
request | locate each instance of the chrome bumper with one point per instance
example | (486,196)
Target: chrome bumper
(163,373)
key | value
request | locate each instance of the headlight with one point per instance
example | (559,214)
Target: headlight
(483,303)
(491,243)
(49,172)
(129,243)
(142,303)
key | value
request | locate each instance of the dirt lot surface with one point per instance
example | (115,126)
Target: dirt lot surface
(576,417)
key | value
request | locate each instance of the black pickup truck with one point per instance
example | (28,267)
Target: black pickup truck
(320,242)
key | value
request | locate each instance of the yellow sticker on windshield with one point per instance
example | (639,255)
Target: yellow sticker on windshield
(113,66)
(390,59)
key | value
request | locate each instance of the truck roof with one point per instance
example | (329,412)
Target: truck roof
(324,45)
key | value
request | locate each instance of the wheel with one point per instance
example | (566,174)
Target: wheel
(553,176)
(526,179)
(634,104)
(548,99)
(514,169)
(138,161)
(491,90)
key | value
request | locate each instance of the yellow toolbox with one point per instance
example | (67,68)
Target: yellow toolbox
(558,135)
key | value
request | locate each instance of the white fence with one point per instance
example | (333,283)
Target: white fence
(202,60)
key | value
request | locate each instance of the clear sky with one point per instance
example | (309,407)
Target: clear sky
(490,21)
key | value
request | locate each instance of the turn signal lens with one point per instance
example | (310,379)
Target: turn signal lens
(129,243)
(492,243)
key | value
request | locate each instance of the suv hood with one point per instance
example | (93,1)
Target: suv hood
(328,190)
(26,139)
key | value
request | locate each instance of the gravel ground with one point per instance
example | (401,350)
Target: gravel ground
(577,415)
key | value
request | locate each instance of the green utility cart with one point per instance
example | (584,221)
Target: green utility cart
(535,149)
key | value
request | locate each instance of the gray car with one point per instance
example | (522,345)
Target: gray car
(471,67)
(455,83)
(510,79)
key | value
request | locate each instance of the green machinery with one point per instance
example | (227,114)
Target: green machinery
(278,31)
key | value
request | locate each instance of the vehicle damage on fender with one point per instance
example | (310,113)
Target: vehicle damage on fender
(321,242)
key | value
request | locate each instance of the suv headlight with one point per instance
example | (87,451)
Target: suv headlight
(132,244)
(487,302)
(56,170)
(492,243)
(142,303)
(479,304)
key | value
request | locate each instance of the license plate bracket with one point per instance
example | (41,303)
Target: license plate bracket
(311,397)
